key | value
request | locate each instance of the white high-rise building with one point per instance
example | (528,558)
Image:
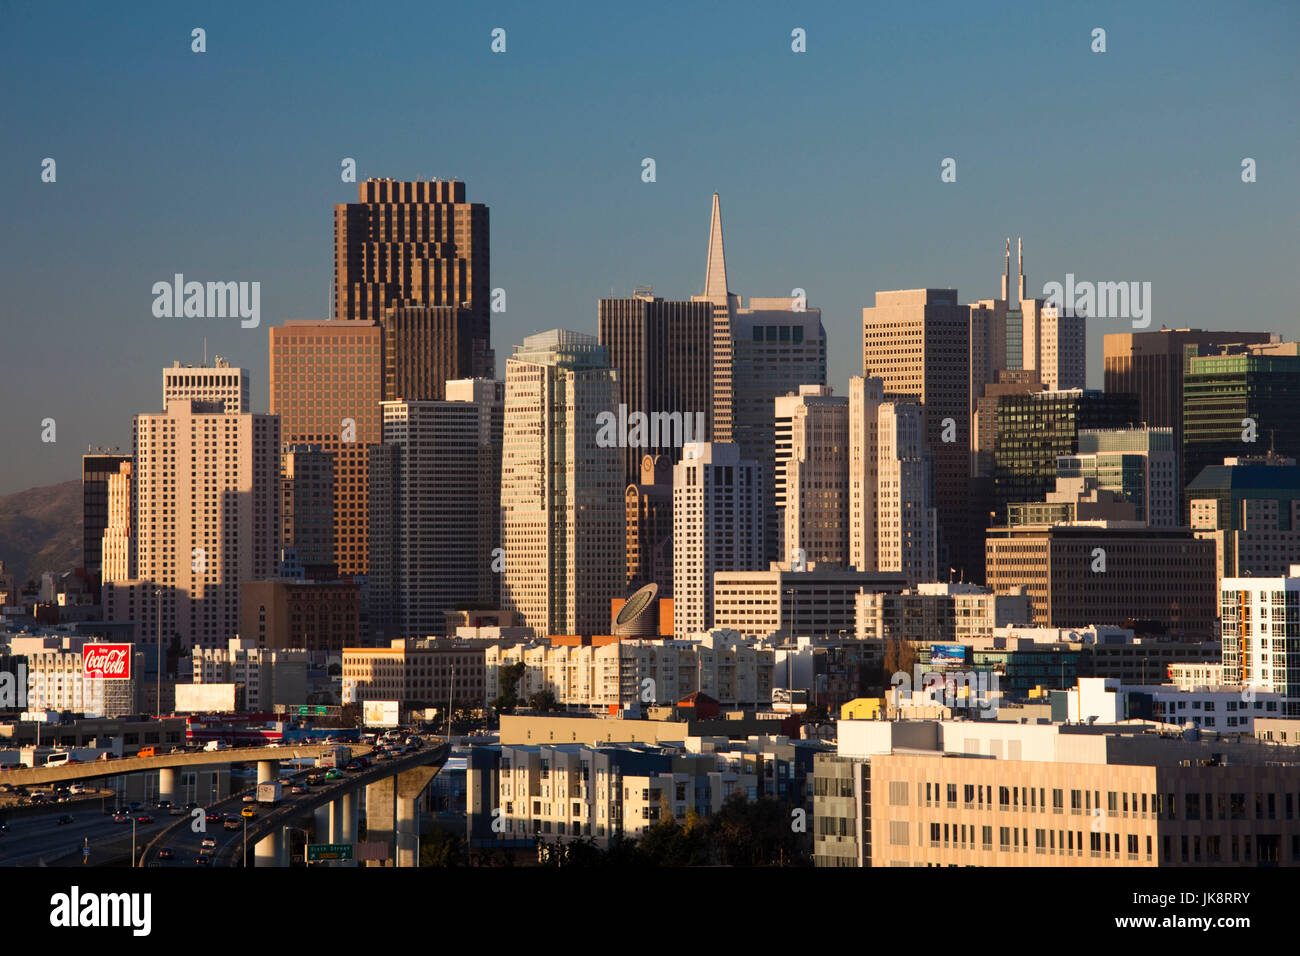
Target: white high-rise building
(1261,634)
(906,517)
(206,515)
(217,382)
(812,474)
(562,512)
(430,480)
(717,526)
(865,398)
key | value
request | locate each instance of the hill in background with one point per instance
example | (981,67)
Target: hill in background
(40,530)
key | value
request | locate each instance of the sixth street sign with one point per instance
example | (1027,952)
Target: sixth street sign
(328,851)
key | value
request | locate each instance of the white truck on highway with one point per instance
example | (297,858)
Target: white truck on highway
(268,792)
(336,757)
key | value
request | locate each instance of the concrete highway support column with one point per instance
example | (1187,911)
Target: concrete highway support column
(268,771)
(323,823)
(268,850)
(348,805)
(410,784)
(380,813)
(167,784)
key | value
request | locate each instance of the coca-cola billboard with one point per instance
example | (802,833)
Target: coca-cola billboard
(110,661)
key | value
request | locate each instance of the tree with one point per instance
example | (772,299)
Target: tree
(543,700)
(509,677)
(443,848)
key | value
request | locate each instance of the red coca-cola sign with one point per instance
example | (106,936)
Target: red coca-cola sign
(112,661)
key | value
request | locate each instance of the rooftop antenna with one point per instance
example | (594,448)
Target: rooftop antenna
(205,351)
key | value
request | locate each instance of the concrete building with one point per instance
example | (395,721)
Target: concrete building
(811,481)
(426,346)
(917,342)
(269,676)
(718,511)
(945,793)
(438,673)
(1250,509)
(1215,708)
(663,351)
(1075,499)
(307,509)
(206,518)
(439,463)
(724,306)
(865,398)
(819,600)
(117,547)
(1107,571)
(947,612)
(1140,464)
(906,518)
(1261,622)
(326,385)
(320,616)
(563,522)
(56,678)
(649,516)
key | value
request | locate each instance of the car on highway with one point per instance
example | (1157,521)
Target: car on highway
(250,798)
(164,853)
(213,818)
(332,774)
(232,823)
(65,819)
(121,818)
(176,812)
(297,788)
(315,780)
(191,805)
(209,844)
(248,812)
(202,860)
(144,818)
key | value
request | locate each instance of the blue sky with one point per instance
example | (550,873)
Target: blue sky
(1123,165)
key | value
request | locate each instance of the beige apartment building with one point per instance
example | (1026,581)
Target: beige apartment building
(418,673)
(812,475)
(951,793)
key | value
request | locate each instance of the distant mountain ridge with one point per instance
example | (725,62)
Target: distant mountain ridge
(40,530)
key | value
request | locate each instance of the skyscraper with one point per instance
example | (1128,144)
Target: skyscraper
(326,386)
(1037,428)
(663,352)
(865,398)
(427,346)
(307,510)
(717,526)
(1240,404)
(778,345)
(428,489)
(724,305)
(1140,464)
(562,508)
(811,494)
(410,242)
(96,470)
(649,505)
(905,515)
(917,342)
(1260,650)
(206,516)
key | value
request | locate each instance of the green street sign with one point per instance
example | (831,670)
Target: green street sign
(313,710)
(328,851)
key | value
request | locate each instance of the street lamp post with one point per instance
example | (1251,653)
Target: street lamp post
(157,593)
(133,841)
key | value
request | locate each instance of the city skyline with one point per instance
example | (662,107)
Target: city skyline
(258,215)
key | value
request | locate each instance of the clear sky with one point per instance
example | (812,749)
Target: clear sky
(225,165)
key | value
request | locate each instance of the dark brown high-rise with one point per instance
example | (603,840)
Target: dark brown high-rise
(663,351)
(413,256)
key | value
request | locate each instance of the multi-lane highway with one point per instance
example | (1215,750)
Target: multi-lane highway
(40,840)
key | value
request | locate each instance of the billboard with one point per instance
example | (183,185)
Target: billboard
(947,654)
(380,713)
(107,661)
(206,698)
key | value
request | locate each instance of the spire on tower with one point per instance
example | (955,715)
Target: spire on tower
(1020,264)
(715,276)
(1006,272)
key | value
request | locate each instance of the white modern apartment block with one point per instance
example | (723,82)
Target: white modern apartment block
(270,676)
(1141,464)
(812,475)
(907,522)
(819,600)
(562,509)
(430,480)
(717,526)
(1221,709)
(206,512)
(1261,635)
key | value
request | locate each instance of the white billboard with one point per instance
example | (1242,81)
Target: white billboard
(380,713)
(205,698)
